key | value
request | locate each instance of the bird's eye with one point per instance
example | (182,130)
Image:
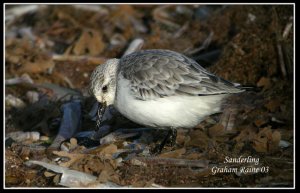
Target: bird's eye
(104,88)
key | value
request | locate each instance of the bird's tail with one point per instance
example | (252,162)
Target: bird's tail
(248,87)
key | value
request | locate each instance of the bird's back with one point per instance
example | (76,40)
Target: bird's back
(162,73)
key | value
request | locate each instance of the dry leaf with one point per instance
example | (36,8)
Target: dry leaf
(89,43)
(104,176)
(109,175)
(56,179)
(198,138)
(93,164)
(48,174)
(246,134)
(73,143)
(173,154)
(264,82)
(260,121)
(273,105)
(125,17)
(150,182)
(216,130)
(180,139)
(37,64)
(238,147)
(181,135)
(276,137)
(108,150)
(29,56)
(73,157)
(266,140)
(260,144)
(193,156)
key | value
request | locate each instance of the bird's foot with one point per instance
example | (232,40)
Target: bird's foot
(170,137)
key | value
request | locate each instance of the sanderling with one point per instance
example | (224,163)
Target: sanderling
(160,88)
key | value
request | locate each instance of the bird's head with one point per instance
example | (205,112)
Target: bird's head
(103,82)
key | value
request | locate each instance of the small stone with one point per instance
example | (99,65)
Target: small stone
(49,174)
(13,101)
(32,96)
(44,138)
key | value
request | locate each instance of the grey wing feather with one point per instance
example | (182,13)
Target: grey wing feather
(161,73)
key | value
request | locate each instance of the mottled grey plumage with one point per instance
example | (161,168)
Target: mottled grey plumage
(160,88)
(162,73)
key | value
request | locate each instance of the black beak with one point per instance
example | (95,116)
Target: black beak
(100,113)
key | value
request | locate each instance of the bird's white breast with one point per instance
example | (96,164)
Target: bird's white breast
(173,111)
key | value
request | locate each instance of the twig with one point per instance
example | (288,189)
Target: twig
(279,46)
(160,15)
(281,59)
(169,161)
(182,30)
(93,8)
(228,118)
(68,81)
(138,25)
(135,45)
(204,45)
(25,78)
(98,60)
(287,29)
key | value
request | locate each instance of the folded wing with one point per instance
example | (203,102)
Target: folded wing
(162,73)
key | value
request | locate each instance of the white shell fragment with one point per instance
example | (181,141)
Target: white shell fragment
(32,96)
(13,101)
(73,178)
(20,136)
(284,144)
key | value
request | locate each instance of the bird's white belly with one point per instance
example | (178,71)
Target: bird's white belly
(173,111)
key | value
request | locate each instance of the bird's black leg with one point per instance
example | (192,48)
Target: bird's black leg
(171,136)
